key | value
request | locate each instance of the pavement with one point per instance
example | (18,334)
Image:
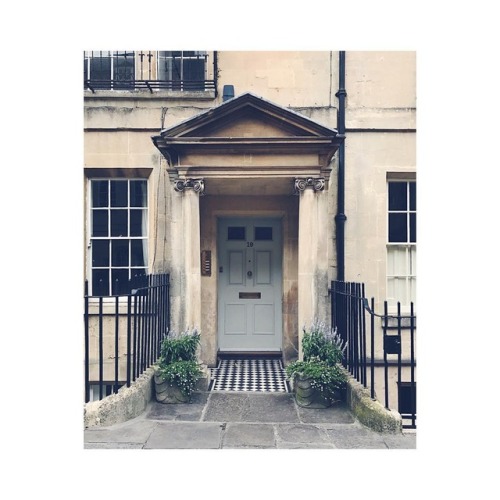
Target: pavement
(218,420)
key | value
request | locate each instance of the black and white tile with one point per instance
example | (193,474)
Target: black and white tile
(249,375)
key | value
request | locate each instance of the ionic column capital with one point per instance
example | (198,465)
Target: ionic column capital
(316,183)
(197,185)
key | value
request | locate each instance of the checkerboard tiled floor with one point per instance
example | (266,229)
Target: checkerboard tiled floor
(249,375)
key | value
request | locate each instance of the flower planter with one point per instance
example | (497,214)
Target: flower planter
(307,396)
(168,392)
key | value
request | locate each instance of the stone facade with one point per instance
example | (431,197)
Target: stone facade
(249,152)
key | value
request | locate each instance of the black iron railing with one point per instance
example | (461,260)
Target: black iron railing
(390,346)
(126,329)
(148,70)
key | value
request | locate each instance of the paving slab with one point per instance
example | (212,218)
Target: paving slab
(113,446)
(282,445)
(225,407)
(243,435)
(401,442)
(301,434)
(188,435)
(133,431)
(186,412)
(354,436)
(337,414)
(269,408)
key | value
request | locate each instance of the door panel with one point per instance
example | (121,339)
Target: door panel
(235,321)
(263,319)
(263,268)
(249,284)
(235,268)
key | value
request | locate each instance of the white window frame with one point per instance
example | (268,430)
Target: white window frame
(409,276)
(91,238)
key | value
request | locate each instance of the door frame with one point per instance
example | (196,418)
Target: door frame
(279,284)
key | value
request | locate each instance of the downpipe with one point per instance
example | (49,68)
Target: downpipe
(340,218)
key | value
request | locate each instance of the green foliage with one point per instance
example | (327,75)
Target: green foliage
(178,361)
(323,350)
(322,343)
(323,376)
(179,347)
(182,373)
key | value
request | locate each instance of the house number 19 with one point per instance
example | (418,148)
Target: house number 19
(249,243)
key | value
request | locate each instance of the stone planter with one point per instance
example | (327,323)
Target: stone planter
(168,392)
(307,396)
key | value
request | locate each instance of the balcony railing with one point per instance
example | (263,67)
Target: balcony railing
(181,71)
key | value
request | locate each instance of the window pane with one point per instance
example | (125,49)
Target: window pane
(119,223)
(163,66)
(139,247)
(413,195)
(136,275)
(119,193)
(194,69)
(170,53)
(99,223)
(236,233)
(397,261)
(413,228)
(100,67)
(397,196)
(138,223)
(100,282)
(175,68)
(99,194)
(124,70)
(391,291)
(138,193)
(398,228)
(119,281)
(399,290)
(100,253)
(119,253)
(264,233)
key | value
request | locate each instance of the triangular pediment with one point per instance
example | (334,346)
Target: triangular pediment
(248,116)
(248,123)
(244,126)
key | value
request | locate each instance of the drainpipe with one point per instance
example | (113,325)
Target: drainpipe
(216,72)
(340,218)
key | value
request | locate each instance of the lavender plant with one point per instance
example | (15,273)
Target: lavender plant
(178,363)
(323,350)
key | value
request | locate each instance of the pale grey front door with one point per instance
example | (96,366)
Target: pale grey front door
(249,284)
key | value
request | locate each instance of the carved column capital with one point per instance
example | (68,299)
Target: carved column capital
(197,185)
(316,183)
